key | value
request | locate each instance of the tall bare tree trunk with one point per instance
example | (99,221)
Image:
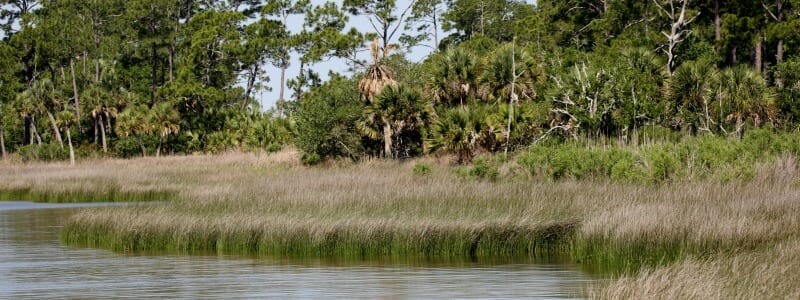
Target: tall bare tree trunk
(387,140)
(153,76)
(158,149)
(2,143)
(141,145)
(251,82)
(56,132)
(281,99)
(71,149)
(103,136)
(759,56)
(717,26)
(75,93)
(435,30)
(171,59)
(35,132)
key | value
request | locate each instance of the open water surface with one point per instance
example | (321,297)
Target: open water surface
(35,265)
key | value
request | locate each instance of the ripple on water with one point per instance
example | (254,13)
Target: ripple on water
(33,264)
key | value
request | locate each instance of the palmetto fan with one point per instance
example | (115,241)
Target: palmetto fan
(377,75)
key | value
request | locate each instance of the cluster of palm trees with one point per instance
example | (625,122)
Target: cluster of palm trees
(466,103)
(494,101)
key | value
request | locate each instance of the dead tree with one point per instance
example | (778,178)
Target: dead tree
(678,29)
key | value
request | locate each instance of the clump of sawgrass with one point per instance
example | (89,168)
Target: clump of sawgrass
(769,274)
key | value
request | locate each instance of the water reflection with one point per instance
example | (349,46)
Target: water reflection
(33,264)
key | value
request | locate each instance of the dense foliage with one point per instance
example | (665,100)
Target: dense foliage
(146,77)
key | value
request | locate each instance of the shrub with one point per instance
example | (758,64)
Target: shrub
(421,169)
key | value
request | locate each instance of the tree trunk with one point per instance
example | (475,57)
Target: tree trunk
(387,140)
(171,59)
(717,26)
(153,76)
(281,99)
(35,132)
(779,57)
(758,66)
(251,82)
(71,149)
(435,30)
(158,149)
(75,93)
(26,130)
(2,143)
(56,132)
(103,135)
(96,131)
(734,60)
(141,145)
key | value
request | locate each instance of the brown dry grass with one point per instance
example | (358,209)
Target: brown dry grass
(680,240)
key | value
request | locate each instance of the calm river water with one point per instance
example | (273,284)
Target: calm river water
(33,264)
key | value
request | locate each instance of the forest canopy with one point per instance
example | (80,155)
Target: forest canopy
(147,77)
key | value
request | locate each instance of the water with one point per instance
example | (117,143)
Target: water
(33,264)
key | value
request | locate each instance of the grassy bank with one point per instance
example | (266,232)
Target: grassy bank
(647,234)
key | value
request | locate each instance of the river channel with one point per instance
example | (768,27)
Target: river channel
(35,265)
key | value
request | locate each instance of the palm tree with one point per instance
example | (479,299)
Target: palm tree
(96,99)
(748,97)
(395,110)
(378,75)
(691,92)
(457,131)
(166,121)
(66,119)
(45,97)
(510,74)
(135,121)
(453,75)
(26,106)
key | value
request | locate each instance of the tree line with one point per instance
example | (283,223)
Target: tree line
(146,77)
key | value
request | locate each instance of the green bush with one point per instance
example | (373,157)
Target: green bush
(663,163)
(483,169)
(43,152)
(421,169)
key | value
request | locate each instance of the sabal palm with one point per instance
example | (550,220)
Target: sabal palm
(394,110)
(747,95)
(457,131)
(378,75)
(691,91)
(453,76)
(66,119)
(506,63)
(165,120)
(135,121)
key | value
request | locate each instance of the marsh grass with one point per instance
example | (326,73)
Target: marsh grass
(272,206)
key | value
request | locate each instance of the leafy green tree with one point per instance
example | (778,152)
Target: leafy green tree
(490,18)
(326,121)
(424,20)
(282,47)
